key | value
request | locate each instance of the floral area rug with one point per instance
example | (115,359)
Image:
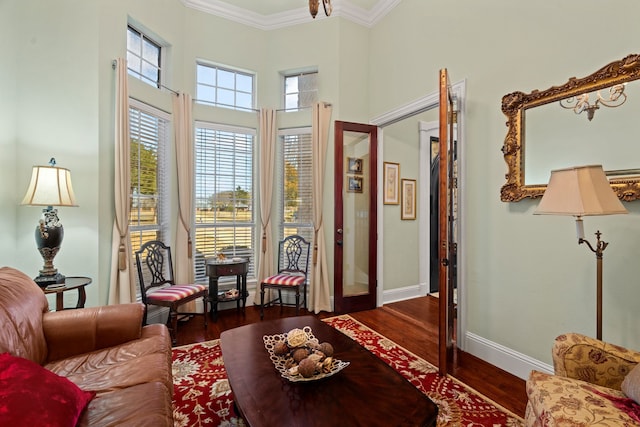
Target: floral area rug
(458,404)
(202,396)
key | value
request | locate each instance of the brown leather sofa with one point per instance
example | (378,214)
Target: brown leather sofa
(102,349)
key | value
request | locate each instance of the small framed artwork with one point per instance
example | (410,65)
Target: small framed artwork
(354,184)
(391,183)
(354,165)
(408,210)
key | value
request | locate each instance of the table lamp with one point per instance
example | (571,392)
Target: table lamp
(583,191)
(50,186)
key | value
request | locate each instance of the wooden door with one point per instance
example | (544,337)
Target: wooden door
(355,235)
(446,220)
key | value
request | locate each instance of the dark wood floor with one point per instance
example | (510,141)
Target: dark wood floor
(411,324)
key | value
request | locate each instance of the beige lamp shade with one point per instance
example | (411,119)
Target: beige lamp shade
(50,186)
(579,191)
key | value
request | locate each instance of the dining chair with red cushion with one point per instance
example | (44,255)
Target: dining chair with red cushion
(293,264)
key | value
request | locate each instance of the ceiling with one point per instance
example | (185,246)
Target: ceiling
(272,14)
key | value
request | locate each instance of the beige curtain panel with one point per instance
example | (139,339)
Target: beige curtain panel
(266,261)
(183,127)
(183,130)
(320,293)
(122,286)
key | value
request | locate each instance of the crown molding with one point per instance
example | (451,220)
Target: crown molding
(298,16)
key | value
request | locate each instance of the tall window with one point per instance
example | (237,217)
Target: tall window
(300,90)
(225,221)
(295,183)
(224,87)
(149,130)
(143,57)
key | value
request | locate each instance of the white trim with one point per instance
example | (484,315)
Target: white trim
(426,131)
(304,130)
(225,128)
(419,105)
(503,357)
(345,9)
(150,109)
(412,108)
(405,293)
(498,355)
(380,220)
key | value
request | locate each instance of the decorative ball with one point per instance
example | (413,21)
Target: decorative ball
(296,337)
(327,349)
(280,348)
(307,368)
(300,354)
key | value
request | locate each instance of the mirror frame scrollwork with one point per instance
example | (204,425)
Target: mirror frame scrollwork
(515,104)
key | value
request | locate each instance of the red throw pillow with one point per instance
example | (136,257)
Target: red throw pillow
(31,395)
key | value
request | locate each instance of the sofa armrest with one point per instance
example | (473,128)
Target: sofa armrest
(588,359)
(72,332)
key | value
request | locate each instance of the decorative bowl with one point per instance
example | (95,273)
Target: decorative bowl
(279,361)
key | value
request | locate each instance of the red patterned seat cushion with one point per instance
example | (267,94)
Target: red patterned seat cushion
(284,280)
(175,293)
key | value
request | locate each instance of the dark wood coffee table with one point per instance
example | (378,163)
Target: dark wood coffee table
(368,392)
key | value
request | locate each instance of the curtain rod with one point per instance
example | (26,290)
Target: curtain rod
(279,110)
(114,64)
(326,104)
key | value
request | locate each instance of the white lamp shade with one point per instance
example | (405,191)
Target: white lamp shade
(579,191)
(50,186)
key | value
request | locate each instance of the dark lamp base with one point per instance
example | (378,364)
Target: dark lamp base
(44,281)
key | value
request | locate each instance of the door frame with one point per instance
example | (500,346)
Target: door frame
(369,300)
(426,103)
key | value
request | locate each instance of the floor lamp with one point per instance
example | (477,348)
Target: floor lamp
(582,191)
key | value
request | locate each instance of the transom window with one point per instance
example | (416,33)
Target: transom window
(295,183)
(224,87)
(224,202)
(300,90)
(143,57)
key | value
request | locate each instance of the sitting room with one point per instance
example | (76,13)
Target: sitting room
(221,127)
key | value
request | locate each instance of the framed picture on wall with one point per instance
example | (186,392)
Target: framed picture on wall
(354,184)
(354,165)
(391,183)
(408,210)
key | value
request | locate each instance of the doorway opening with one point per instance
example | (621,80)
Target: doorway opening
(421,114)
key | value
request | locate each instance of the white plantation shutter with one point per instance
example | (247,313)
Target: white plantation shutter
(149,218)
(225,220)
(294,183)
(300,90)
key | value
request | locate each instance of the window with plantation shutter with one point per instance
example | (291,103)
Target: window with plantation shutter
(300,90)
(294,183)
(148,130)
(224,194)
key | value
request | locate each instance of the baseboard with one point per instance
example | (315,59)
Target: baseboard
(503,357)
(401,294)
(498,355)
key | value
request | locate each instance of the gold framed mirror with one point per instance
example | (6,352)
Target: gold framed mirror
(519,142)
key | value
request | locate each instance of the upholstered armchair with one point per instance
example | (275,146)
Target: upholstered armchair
(595,383)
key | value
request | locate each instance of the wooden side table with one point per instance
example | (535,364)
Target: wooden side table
(217,269)
(70,283)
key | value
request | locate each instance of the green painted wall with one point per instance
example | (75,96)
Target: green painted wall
(525,278)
